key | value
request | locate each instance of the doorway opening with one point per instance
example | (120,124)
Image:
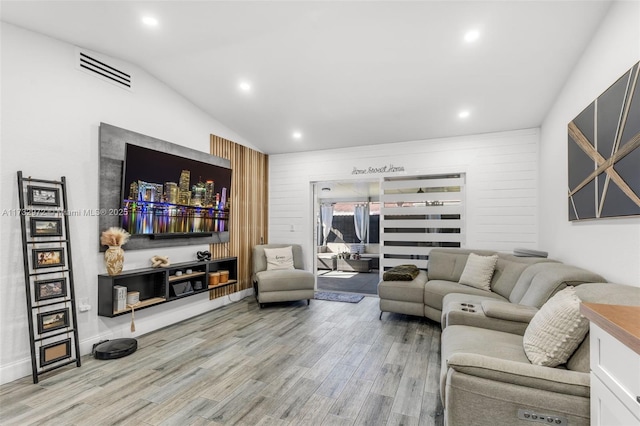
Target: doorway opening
(347,236)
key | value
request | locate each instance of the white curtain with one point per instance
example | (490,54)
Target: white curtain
(326,216)
(361,221)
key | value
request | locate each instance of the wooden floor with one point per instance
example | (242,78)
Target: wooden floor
(331,363)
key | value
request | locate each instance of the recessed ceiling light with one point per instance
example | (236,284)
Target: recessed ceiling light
(297,135)
(245,86)
(150,21)
(464,114)
(471,36)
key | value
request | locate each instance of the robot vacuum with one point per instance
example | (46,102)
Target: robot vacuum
(112,349)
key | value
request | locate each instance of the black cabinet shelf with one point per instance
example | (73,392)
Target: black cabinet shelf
(186,277)
(161,285)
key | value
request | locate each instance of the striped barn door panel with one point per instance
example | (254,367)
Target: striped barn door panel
(417,214)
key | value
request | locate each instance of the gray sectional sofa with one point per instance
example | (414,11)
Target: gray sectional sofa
(521,284)
(537,284)
(486,375)
(487,379)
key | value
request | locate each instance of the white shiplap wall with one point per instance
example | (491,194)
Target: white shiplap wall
(501,184)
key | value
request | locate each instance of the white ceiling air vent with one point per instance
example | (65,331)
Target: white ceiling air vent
(95,65)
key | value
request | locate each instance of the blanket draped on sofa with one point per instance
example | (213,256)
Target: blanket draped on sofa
(401,273)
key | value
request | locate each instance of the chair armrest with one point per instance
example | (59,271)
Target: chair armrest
(508,311)
(528,375)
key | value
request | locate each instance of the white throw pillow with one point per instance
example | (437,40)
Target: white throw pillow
(478,271)
(279,258)
(556,330)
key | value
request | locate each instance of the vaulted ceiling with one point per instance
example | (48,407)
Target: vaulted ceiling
(340,73)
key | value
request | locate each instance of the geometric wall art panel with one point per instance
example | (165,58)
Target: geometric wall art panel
(604,153)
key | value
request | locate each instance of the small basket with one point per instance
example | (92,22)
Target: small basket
(133,297)
(224,277)
(214,279)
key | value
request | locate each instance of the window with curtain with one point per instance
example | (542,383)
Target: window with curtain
(343,224)
(361,221)
(326,221)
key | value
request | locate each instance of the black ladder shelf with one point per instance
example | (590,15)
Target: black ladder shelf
(48,274)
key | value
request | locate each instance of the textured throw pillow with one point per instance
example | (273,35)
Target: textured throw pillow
(478,271)
(279,258)
(556,330)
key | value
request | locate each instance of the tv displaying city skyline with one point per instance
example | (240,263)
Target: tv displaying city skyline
(167,194)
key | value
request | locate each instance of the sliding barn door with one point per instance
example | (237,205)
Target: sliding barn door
(417,214)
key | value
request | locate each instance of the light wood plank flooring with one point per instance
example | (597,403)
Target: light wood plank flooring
(331,363)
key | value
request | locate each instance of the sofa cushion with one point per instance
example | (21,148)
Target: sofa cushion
(448,264)
(525,281)
(580,360)
(285,280)
(609,293)
(279,258)
(467,309)
(475,299)
(407,291)
(508,311)
(509,269)
(436,290)
(465,339)
(551,279)
(506,275)
(478,271)
(454,301)
(556,330)
(522,374)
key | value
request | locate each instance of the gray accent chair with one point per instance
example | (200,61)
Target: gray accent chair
(282,285)
(486,376)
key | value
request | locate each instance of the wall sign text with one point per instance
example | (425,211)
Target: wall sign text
(383,169)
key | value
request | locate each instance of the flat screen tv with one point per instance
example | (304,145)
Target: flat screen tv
(165,195)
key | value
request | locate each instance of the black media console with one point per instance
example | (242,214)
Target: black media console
(161,285)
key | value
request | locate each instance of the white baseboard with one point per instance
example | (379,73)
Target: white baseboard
(22,368)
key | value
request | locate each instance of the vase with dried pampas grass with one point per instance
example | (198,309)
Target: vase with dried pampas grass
(114,238)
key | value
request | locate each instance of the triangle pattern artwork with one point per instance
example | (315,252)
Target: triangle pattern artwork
(604,154)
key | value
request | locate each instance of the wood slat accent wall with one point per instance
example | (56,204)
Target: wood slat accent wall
(249,205)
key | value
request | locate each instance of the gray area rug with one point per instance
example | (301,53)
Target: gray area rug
(350,282)
(338,297)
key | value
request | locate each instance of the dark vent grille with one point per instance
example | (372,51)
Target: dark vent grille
(104,71)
